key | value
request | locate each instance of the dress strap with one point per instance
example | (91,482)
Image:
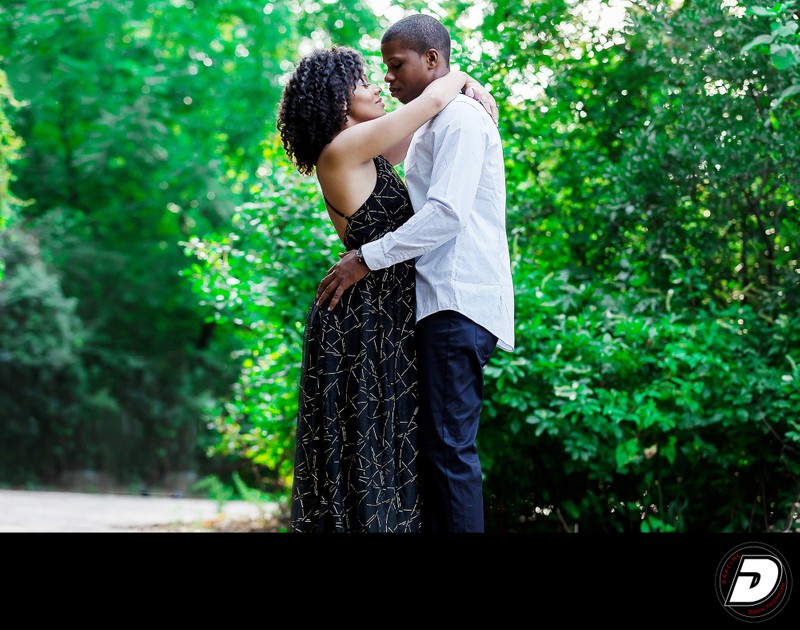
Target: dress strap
(341,214)
(377,161)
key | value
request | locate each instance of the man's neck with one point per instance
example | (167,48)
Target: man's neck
(440,72)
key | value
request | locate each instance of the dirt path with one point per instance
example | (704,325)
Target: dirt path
(44,511)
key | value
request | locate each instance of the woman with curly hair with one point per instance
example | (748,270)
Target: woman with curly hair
(356,443)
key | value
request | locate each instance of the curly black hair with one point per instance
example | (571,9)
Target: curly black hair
(315,102)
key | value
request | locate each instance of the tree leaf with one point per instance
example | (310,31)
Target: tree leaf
(784,56)
(761,39)
(761,11)
(790,91)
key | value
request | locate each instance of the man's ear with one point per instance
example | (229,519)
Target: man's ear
(432,58)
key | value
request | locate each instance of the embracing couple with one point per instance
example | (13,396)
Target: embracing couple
(403,324)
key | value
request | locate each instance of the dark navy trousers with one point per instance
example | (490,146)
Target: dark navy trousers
(451,353)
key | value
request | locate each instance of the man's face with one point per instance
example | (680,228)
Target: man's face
(407,72)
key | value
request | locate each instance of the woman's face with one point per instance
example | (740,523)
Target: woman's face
(366,104)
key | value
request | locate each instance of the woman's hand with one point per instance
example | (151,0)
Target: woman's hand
(475,90)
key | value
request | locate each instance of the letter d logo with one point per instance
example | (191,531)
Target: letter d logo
(756,579)
(753,582)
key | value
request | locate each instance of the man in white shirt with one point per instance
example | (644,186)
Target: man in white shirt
(465,301)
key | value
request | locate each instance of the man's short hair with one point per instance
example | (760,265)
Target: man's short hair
(420,33)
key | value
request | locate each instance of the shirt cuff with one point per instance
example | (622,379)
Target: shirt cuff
(373,255)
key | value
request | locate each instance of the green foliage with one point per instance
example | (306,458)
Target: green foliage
(222,492)
(619,415)
(782,43)
(41,376)
(117,170)
(258,282)
(262,500)
(9,146)
(165,254)
(62,409)
(39,327)
(215,489)
(653,187)
(650,183)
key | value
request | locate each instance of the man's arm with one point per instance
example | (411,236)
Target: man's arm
(458,151)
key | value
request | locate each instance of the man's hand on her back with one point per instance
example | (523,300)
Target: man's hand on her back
(341,277)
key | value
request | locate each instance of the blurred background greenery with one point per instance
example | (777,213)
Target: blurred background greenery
(158,253)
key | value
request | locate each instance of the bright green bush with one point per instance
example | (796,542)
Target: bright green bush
(619,414)
(651,188)
(10,144)
(258,282)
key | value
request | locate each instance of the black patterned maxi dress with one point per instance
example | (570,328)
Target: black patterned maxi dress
(357,451)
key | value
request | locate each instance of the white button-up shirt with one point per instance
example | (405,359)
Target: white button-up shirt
(456,180)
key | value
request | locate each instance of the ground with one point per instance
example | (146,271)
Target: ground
(271,524)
